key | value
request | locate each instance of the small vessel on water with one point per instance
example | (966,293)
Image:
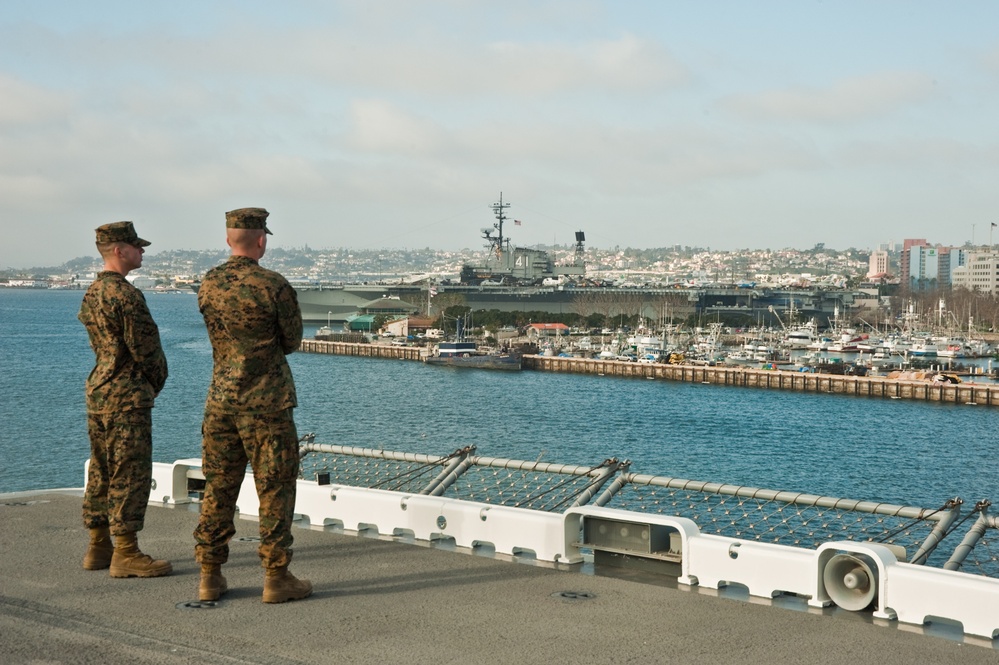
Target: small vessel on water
(799,337)
(463,352)
(467,354)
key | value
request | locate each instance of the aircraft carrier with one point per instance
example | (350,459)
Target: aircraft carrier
(334,303)
(519,279)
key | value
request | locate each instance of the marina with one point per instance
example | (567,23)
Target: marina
(912,451)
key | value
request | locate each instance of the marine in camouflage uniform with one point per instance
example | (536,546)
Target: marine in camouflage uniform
(253,322)
(129,372)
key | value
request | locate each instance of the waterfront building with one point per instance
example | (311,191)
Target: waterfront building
(409,325)
(536,331)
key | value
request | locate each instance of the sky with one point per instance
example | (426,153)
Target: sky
(396,124)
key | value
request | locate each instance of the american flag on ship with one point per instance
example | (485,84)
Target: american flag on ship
(516,222)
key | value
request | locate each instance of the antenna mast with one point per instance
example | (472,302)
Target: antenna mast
(498,209)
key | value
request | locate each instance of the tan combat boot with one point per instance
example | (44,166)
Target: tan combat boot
(128,561)
(281,586)
(98,556)
(212,584)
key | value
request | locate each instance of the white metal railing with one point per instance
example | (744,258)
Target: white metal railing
(749,513)
(427,498)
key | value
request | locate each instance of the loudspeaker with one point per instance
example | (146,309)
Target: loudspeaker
(851,581)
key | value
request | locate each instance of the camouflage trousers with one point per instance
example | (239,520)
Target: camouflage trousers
(121,470)
(269,442)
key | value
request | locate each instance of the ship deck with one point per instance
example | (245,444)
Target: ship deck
(382,600)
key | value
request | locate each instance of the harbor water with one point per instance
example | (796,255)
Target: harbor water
(895,451)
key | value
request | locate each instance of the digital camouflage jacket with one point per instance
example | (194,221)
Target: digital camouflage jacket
(253,321)
(130,367)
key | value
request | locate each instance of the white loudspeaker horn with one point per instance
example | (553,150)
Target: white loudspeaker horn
(850,581)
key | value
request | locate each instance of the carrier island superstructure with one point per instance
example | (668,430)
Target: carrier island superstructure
(508,265)
(520,279)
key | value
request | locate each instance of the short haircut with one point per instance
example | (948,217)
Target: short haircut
(244,238)
(106,249)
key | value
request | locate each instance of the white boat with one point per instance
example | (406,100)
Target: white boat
(896,344)
(870,344)
(848,342)
(960,347)
(951,348)
(741,357)
(799,338)
(882,359)
(923,348)
(820,344)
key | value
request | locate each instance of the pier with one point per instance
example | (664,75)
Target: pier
(387,351)
(860,386)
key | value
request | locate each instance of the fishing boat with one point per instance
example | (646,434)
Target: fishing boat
(923,347)
(960,347)
(467,354)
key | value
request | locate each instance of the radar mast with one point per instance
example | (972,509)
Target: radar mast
(496,242)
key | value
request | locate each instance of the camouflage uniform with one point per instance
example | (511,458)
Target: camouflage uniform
(130,371)
(253,321)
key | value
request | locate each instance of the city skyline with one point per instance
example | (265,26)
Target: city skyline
(562,251)
(775,124)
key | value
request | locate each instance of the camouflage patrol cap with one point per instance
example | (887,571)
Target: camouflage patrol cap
(247,218)
(120,232)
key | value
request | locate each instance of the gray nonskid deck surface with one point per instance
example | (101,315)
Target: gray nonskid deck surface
(378,601)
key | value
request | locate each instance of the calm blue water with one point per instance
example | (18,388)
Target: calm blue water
(895,451)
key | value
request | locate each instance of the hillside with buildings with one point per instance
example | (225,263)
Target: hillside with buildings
(913,278)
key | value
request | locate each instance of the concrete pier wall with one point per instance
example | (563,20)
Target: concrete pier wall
(365,350)
(861,386)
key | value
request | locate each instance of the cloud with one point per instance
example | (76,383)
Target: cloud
(379,126)
(624,64)
(353,120)
(990,60)
(849,100)
(583,153)
(939,152)
(425,62)
(28,104)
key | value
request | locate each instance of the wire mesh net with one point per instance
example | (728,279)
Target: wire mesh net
(745,513)
(983,559)
(772,521)
(536,490)
(398,475)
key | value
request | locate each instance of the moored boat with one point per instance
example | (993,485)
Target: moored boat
(467,354)
(799,337)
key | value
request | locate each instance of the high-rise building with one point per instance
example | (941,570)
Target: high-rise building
(949,258)
(923,272)
(905,262)
(980,272)
(878,265)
